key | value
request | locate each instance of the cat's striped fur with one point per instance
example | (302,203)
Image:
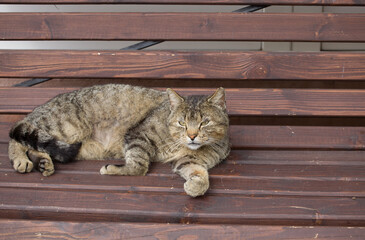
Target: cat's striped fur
(138,124)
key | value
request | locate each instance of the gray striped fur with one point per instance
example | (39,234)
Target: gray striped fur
(138,124)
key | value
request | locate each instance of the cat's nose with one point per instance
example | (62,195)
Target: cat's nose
(192,136)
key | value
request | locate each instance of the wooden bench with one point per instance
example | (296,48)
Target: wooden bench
(297,168)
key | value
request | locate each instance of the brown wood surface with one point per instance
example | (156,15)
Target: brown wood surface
(20,229)
(240,102)
(183,26)
(281,137)
(232,177)
(183,65)
(192,83)
(218,2)
(250,187)
(171,207)
(279,182)
(263,157)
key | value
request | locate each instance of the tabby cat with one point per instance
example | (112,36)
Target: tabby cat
(117,121)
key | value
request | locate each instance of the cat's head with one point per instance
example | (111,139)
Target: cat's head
(198,120)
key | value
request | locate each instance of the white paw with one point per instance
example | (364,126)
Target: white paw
(196,186)
(103,170)
(23,166)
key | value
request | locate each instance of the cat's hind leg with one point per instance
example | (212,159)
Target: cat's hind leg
(134,167)
(138,155)
(23,159)
(44,161)
(18,157)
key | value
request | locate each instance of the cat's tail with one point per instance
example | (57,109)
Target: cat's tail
(39,140)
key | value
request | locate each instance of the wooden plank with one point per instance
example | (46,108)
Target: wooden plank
(267,157)
(240,102)
(297,137)
(258,157)
(183,26)
(20,229)
(281,137)
(289,173)
(193,83)
(227,179)
(182,65)
(277,157)
(193,2)
(175,208)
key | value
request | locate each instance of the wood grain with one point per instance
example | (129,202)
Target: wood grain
(179,208)
(183,26)
(191,83)
(210,2)
(228,179)
(251,187)
(240,102)
(256,157)
(182,65)
(282,137)
(279,182)
(20,229)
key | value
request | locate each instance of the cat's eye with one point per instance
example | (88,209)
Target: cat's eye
(204,123)
(182,123)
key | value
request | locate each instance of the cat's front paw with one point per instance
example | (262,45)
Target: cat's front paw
(111,170)
(196,186)
(23,166)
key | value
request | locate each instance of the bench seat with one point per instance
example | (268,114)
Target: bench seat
(276,175)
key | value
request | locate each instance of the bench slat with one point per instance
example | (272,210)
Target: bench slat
(183,65)
(229,178)
(281,137)
(18,229)
(256,102)
(211,2)
(176,208)
(183,26)
(258,157)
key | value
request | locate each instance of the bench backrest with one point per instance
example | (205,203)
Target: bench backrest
(264,88)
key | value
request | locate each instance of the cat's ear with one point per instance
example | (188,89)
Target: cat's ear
(218,98)
(175,99)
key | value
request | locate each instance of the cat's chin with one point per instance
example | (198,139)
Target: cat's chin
(193,146)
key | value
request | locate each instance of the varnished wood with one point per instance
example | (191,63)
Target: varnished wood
(282,137)
(257,102)
(182,65)
(243,157)
(183,26)
(210,2)
(282,178)
(343,179)
(192,83)
(179,208)
(273,180)
(18,229)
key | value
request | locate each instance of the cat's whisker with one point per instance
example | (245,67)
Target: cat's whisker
(172,147)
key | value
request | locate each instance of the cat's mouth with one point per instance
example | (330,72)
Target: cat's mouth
(194,146)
